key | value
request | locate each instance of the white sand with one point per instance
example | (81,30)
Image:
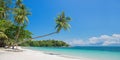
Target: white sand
(32,55)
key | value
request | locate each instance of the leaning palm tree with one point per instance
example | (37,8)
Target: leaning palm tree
(62,22)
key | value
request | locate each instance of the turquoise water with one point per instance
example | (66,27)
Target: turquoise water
(95,53)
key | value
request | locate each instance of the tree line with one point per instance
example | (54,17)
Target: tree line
(45,43)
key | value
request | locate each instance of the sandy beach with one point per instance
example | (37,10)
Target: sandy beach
(27,54)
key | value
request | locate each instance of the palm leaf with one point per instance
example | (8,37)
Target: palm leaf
(2,35)
(62,22)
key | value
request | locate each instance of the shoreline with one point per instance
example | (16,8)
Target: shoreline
(28,54)
(59,55)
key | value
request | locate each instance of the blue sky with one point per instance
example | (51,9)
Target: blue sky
(90,18)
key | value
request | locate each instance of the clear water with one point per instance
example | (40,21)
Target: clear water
(95,53)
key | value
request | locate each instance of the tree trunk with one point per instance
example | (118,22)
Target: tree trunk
(38,37)
(44,35)
(16,37)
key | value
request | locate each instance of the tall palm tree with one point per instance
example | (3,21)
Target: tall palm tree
(20,16)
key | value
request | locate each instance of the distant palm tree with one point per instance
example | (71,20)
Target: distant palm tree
(62,22)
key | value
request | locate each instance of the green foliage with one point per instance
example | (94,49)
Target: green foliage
(5,9)
(9,29)
(3,39)
(45,43)
(2,35)
(20,13)
(20,18)
(13,21)
(5,24)
(62,22)
(12,31)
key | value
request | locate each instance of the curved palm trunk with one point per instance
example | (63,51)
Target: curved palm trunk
(38,37)
(44,35)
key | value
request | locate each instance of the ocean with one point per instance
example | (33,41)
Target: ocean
(91,52)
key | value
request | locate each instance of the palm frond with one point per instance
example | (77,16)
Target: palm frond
(62,22)
(2,35)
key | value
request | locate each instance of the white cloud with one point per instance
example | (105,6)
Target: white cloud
(93,40)
(103,40)
(116,35)
(77,42)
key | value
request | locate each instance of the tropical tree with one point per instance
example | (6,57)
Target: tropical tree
(62,22)
(16,31)
(45,43)
(20,16)
(11,32)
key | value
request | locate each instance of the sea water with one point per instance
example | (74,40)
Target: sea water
(91,52)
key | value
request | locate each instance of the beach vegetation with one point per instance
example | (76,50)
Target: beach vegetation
(45,43)
(13,23)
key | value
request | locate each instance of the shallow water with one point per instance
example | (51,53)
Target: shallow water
(95,53)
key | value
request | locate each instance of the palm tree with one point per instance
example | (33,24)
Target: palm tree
(62,22)
(20,16)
